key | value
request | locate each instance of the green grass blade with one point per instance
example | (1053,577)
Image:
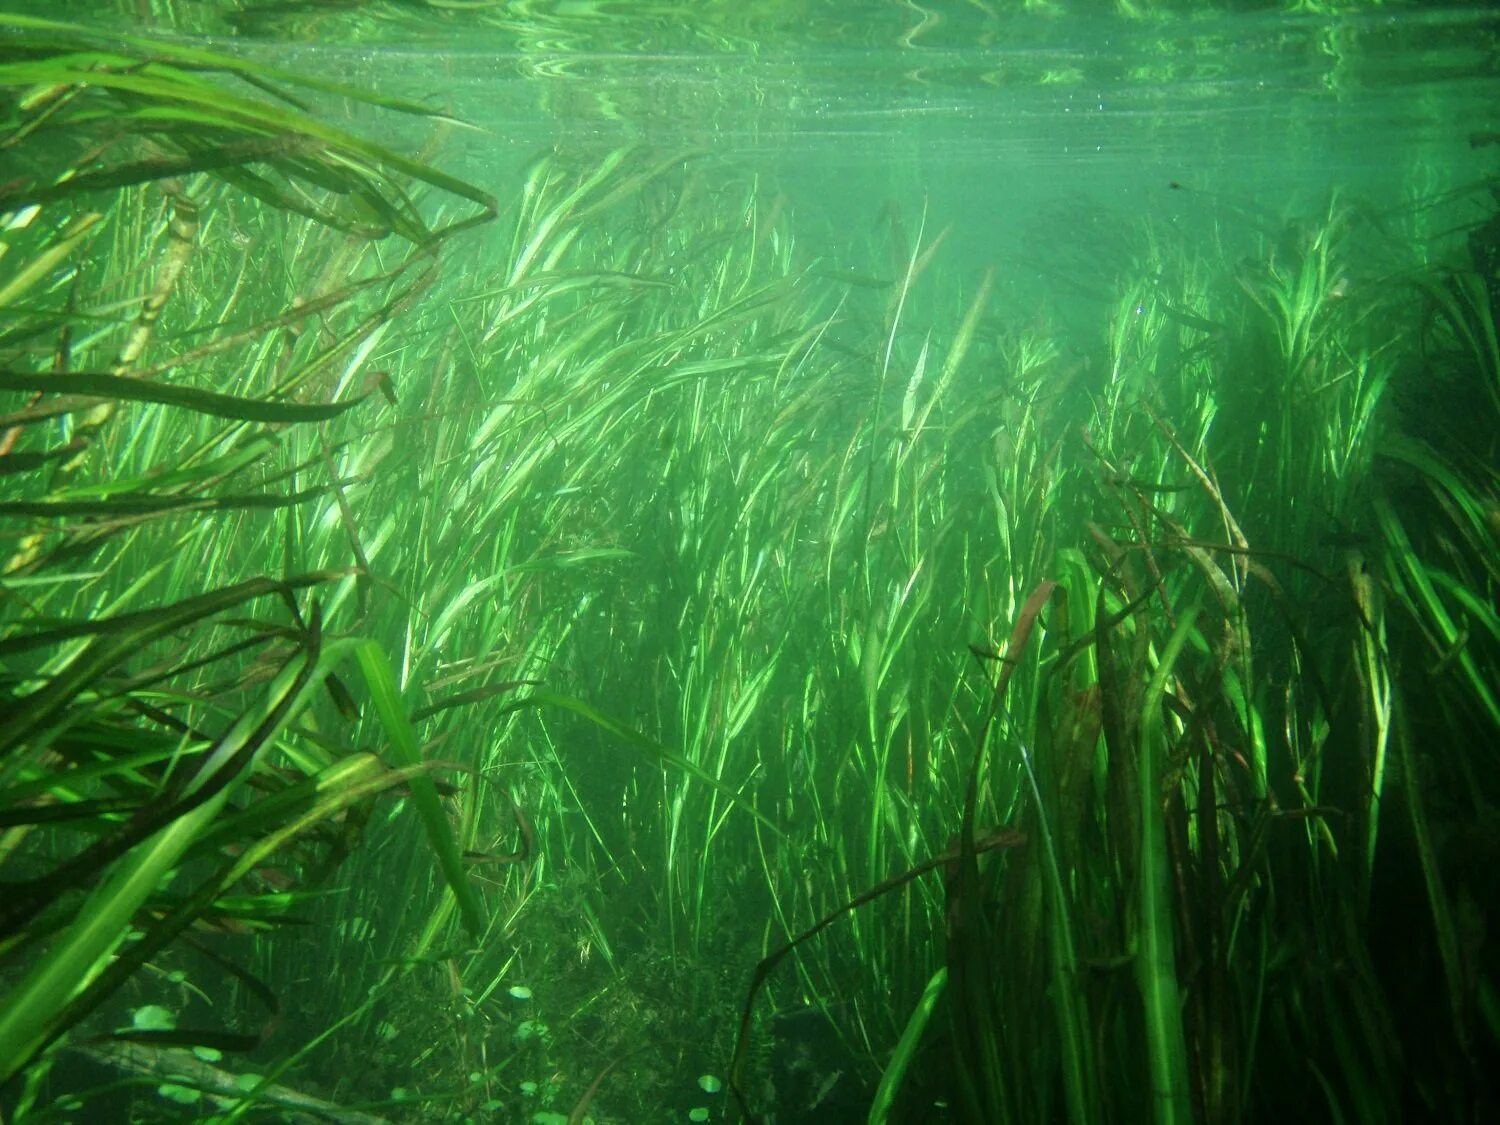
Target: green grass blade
(28,1016)
(1155,961)
(94,384)
(906,1049)
(380,678)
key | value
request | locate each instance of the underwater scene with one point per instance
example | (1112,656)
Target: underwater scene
(779,561)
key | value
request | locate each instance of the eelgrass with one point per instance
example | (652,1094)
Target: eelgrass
(161,757)
(795,498)
(683,543)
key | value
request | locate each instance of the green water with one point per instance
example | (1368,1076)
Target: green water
(998,119)
(992,112)
(1014,482)
(1030,131)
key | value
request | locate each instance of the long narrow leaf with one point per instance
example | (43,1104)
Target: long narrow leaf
(386,695)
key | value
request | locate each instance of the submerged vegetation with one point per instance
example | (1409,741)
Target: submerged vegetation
(452,653)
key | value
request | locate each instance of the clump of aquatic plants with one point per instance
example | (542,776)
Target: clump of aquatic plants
(728,582)
(191,290)
(755,486)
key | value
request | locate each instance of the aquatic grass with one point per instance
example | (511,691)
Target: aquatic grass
(683,544)
(713,551)
(1243,703)
(544,453)
(1156,962)
(37,1015)
(65,78)
(147,730)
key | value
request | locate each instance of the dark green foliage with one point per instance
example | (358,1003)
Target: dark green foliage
(158,752)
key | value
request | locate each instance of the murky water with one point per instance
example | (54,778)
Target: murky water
(1018,128)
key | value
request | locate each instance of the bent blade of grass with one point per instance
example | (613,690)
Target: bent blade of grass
(96,384)
(148,505)
(1415,584)
(1155,961)
(258,74)
(320,797)
(274,819)
(380,678)
(257,446)
(906,1048)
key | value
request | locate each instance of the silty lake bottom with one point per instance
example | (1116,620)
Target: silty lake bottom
(794,562)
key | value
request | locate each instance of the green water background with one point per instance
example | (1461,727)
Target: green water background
(1003,117)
